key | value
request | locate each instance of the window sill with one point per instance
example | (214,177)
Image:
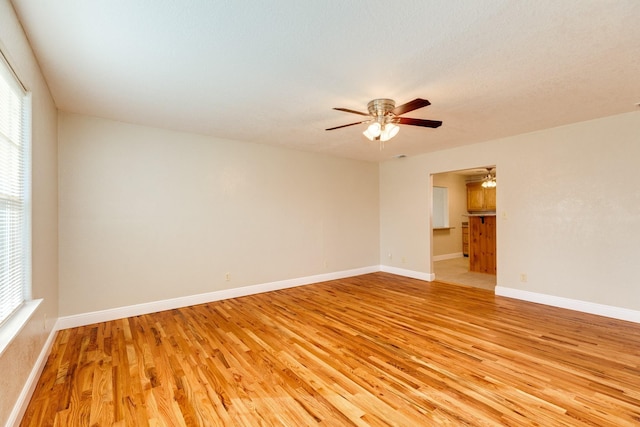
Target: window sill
(14,325)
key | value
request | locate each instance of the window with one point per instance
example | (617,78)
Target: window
(15,227)
(440,217)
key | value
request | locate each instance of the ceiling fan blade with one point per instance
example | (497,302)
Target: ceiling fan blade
(346,110)
(419,122)
(350,124)
(410,106)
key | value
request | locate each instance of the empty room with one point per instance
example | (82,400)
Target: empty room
(319,213)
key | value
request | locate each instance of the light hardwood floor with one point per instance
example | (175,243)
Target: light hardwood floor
(371,350)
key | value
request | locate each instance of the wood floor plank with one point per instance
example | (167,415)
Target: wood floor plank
(372,350)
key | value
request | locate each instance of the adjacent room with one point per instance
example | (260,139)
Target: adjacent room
(464,230)
(319,213)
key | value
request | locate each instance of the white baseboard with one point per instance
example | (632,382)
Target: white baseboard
(571,304)
(155,306)
(429,277)
(83,319)
(447,256)
(21,404)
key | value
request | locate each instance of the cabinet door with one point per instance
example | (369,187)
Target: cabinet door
(475,197)
(480,199)
(490,199)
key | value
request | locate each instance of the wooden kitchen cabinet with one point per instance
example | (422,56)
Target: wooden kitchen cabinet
(482,244)
(480,199)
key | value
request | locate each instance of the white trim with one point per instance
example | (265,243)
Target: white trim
(429,277)
(155,306)
(447,256)
(19,408)
(14,324)
(571,304)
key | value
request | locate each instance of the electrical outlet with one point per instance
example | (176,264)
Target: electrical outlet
(523,277)
(227,277)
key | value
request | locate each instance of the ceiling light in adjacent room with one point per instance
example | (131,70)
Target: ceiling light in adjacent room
(489,181)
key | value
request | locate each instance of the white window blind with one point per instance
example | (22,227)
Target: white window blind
(15,235)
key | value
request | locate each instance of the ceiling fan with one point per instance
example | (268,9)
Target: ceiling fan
(384,118)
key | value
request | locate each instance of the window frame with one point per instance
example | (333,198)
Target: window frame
(19,315)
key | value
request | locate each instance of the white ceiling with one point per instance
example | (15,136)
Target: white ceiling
(270,71)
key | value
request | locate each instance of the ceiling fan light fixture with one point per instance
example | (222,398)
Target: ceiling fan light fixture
(390,130)
(384,118)
(489,181)
(373,131)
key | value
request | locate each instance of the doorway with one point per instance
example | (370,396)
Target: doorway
(453,246)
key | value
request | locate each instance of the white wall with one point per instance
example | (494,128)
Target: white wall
(149,214)
(568,209)
(17,361)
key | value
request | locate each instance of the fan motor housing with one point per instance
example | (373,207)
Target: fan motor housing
(381,107)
